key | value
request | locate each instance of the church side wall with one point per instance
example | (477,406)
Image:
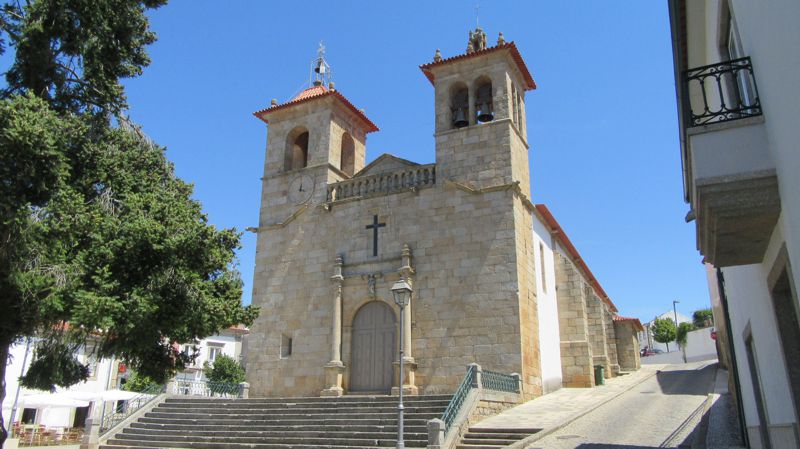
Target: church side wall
(529,312)
(549,329)
(576,352)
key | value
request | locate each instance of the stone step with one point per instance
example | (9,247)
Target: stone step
(230,435)
(279,428)
(500,442)
(285,443)
(421,428)
(341,399)
(130,445)
(244,403)
(345,414)
(289,421)
(479,438)
(478,446)
(353,440)
(242,411)
(525,431)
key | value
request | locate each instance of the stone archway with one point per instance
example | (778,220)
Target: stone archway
(373,343)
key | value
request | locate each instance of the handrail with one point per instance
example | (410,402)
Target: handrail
(454,406)
(383,183)
(114,417)
(498,381)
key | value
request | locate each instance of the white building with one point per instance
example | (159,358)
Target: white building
(646,339)
(105,374)
(736,70)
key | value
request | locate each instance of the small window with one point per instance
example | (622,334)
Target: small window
(348,157)
(286,346)
(28,416)
(541,264)
(213,353)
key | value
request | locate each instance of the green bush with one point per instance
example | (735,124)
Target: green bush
(702,318)
(225,370)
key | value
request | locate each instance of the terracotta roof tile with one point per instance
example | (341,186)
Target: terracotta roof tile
(635,321)
(314,93)
(530,84)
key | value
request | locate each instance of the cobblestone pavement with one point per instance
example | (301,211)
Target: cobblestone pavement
(662,411)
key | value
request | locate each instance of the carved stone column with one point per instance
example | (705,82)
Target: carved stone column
(409,365)
(334,370)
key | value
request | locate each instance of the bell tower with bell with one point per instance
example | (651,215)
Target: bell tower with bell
(315,138)
(481,137)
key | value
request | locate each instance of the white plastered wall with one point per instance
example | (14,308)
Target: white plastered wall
(550,350)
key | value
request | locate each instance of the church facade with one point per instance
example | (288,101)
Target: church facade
(334,234)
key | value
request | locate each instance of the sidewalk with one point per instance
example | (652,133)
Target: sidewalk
(555,410)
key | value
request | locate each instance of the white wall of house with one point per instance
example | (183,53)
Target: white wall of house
(549,338)
(700,345)
(227,343)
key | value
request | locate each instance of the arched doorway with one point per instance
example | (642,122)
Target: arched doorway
(373,348)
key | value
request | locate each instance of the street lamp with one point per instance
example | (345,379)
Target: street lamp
(675,314)
(401,290)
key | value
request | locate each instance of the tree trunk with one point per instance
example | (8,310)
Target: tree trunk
(4,350)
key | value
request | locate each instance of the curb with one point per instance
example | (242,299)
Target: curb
(522,444)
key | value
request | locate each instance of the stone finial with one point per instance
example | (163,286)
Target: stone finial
(437,56)
(332,86)
(337,268)
(274,102)
(500,39)
(477,40)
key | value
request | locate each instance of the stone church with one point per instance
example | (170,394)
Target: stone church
(495,279)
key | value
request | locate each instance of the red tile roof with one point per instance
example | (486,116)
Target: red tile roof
(635,321)
(314,93)
(529,83)
(567,244)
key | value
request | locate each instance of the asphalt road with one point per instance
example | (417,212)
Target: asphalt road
(662,411)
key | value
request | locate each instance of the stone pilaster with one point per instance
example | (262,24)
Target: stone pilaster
(334,370)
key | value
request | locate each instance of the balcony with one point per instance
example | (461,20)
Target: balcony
(730,174)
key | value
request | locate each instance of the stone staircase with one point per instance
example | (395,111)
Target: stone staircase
(492,438)
(348,422)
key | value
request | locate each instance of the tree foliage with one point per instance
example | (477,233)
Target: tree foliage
(682,332)
(98,236)
(225,370)
(138,383)
(664,330)
(702,318)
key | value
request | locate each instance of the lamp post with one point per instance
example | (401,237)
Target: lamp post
(401,290)
(675,314)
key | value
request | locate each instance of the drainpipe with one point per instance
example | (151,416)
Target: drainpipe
(723,297)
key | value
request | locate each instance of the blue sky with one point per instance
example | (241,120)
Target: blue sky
(602,124)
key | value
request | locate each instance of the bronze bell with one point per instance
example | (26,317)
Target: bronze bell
(320,68)
(460,118)
(485,113)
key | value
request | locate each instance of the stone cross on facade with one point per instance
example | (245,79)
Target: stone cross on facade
(374,226)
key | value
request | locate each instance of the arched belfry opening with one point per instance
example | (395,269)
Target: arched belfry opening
(459,104)
(296,156)
(347,162)
(484,104)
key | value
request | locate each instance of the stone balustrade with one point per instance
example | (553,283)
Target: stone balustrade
(383,183)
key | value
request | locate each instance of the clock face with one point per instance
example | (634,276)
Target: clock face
(300,189)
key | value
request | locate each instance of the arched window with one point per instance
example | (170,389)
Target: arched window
(296,149)
(347,162)
(484,106)
(459,105)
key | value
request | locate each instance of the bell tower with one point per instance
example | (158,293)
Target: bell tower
(481,137)
(315,138)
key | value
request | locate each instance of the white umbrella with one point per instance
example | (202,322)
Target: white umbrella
(51,400)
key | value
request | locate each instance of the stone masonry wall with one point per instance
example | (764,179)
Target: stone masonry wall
(627,346)
(576,352)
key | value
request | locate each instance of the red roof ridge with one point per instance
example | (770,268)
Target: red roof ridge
(562,236)
(530,84)
(314,93)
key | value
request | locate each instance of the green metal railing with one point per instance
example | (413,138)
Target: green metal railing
(458,399)
(489,380)
(202,388)
(500,382)
(118,414)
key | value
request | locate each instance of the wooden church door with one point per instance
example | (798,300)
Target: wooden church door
(373,348)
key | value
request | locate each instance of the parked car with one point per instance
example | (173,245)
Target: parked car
(646,352)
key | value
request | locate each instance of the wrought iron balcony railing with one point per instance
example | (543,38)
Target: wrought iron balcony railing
(721,92)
